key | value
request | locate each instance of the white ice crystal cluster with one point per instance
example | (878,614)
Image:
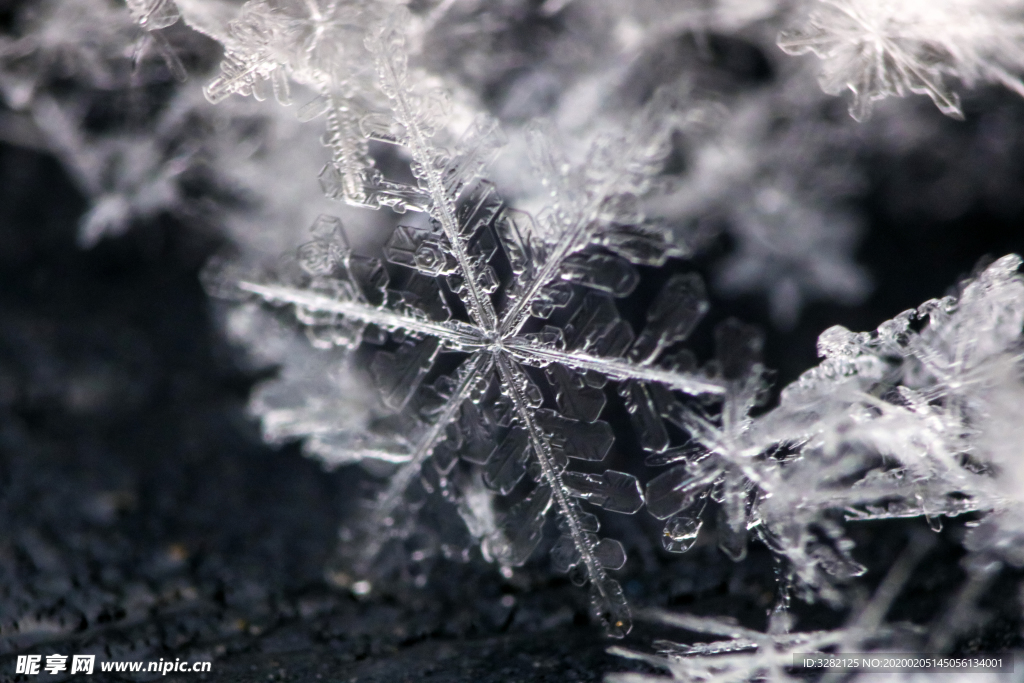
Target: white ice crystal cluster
(885,48)
(909,420)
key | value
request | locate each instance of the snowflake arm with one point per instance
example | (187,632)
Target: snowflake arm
(419,120)
(538,355)
(608,600)
(350,175)
(452,333)
(384,507)
(585,207)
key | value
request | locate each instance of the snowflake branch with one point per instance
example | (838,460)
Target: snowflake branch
(442,207)
(390,498)
(453,334)
(618,618)
(537,355)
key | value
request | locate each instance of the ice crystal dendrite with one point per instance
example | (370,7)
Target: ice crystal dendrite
(742,654)
(882,48)
(915,419)
(927,391)
(739,654)
(490,412)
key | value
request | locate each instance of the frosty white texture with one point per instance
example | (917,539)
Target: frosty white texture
(882,48)
(901,422)
(920,418)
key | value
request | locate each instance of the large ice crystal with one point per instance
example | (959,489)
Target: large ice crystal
(490,413)
(914,419)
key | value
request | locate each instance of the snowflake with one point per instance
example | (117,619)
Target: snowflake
(743,654)
(490,412)
(719,459)
(793,250)
(127,176)
(166,166)
(918,418)
(882,48)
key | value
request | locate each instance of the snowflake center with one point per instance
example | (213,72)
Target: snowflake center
(494,341)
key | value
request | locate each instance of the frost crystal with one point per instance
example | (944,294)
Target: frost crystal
(744,654)
(915,419)
(882,48)
(910,420)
